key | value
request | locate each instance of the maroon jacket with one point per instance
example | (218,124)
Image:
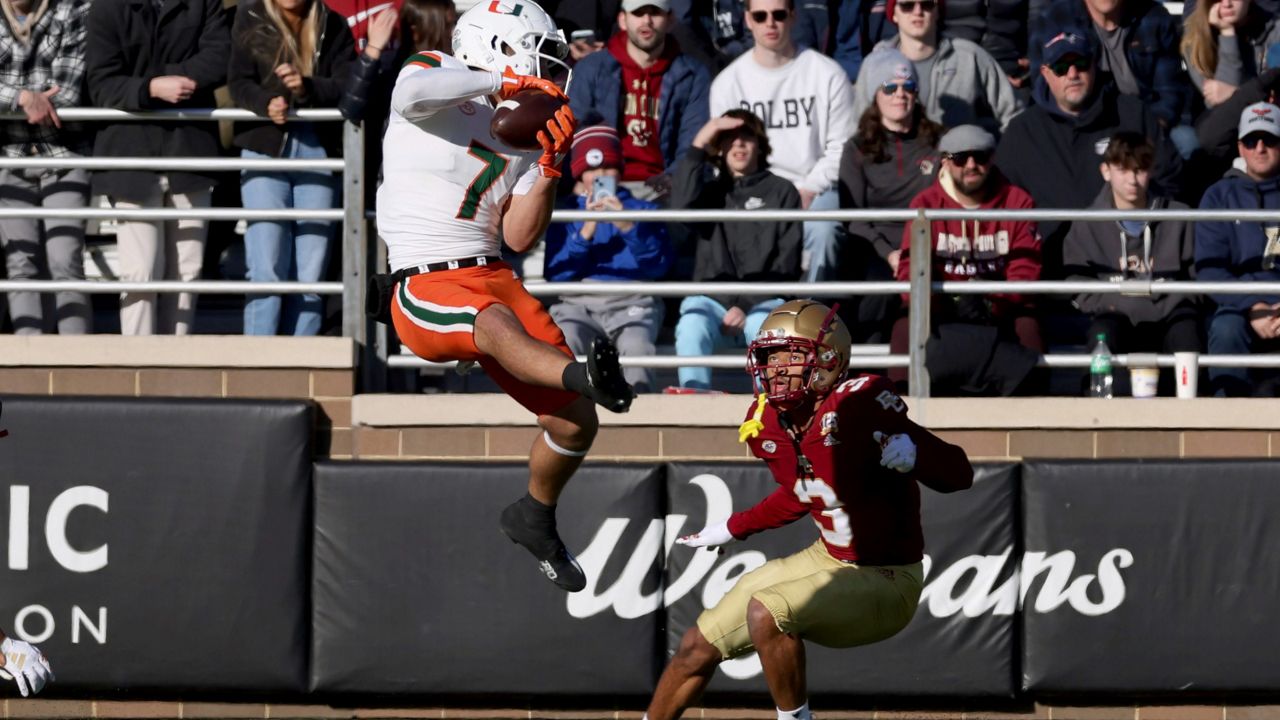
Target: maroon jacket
(979,249)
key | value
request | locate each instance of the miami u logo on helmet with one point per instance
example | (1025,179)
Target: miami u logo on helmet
(500,7)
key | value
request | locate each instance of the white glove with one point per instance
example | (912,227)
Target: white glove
(897,452)
(25,665)
(710,536)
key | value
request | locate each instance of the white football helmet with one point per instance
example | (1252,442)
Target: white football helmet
(517,34)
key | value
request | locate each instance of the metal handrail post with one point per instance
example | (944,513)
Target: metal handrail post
(921,259)
(355,252)
(380,339)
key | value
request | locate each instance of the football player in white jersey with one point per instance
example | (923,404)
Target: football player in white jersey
(450,192)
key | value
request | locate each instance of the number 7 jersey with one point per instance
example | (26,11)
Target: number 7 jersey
(446,180)
(865,512)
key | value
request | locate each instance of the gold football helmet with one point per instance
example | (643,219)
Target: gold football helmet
(804,327)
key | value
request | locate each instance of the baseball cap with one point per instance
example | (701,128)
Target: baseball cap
(1067,41)
(595,147)
(889,65)
(966,138)
(633,5)
(1259,117)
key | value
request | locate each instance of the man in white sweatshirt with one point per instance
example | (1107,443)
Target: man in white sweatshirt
(804,98)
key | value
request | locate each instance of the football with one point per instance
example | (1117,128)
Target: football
(517,120)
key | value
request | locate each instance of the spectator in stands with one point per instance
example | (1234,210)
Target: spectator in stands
(360,15)
(715,31)
(891,158)
(141,59)
(1216,127)
(597,16)
(727,169)
(804,99)
(646,89)
(604,251)
(42,48)
(287,54)
(979,345)
(1134,250)
(1244,250)
(960,83)
(1225,44)
(860,26)
(1052,150)
(1139,49)
(423,25)
(999,26)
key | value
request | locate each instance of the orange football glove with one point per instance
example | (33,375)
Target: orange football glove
(555,141)
(513,83)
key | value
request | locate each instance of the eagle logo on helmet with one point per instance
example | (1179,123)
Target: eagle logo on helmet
(805,328)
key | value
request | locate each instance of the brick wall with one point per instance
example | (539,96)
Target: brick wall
(662,427)
(318,369)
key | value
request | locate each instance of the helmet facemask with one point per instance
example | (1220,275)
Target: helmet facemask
(821,365)
(538,54)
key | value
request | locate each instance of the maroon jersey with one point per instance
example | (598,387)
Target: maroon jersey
(866,513)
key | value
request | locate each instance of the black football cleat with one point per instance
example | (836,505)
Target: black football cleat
(536,532)
(609,389)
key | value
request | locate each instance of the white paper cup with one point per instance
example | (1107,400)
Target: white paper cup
(1186,371)
(1143,381)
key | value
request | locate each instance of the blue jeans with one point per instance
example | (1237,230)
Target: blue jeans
(698,333)
(1184,138)
(277,250)
(821,244)
(1230,334)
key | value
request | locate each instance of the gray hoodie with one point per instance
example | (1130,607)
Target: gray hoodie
(966,87)
(1103,250)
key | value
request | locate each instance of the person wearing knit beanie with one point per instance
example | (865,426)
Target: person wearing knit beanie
(958,81)
(888,66)
(595,147)
(607,250)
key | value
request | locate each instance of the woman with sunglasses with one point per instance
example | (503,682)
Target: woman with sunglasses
(889,160)
(1225,44)
(960,83)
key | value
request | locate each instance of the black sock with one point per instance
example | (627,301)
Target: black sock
(538,526)
(534,505)
(575,378)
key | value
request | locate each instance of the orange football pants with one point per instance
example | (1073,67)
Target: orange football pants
(435,313)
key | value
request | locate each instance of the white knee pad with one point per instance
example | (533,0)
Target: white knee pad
(546,438)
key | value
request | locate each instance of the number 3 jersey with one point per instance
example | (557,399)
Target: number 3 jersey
(446,180)
(865,513)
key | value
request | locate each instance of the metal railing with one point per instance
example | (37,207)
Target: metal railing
(356,250)
(354,237)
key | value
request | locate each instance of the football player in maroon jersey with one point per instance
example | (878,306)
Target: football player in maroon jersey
(843,452)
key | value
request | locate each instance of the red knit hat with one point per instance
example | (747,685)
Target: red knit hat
(595,147)
(891,4)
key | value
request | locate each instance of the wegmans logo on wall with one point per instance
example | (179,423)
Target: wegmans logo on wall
(973,586)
